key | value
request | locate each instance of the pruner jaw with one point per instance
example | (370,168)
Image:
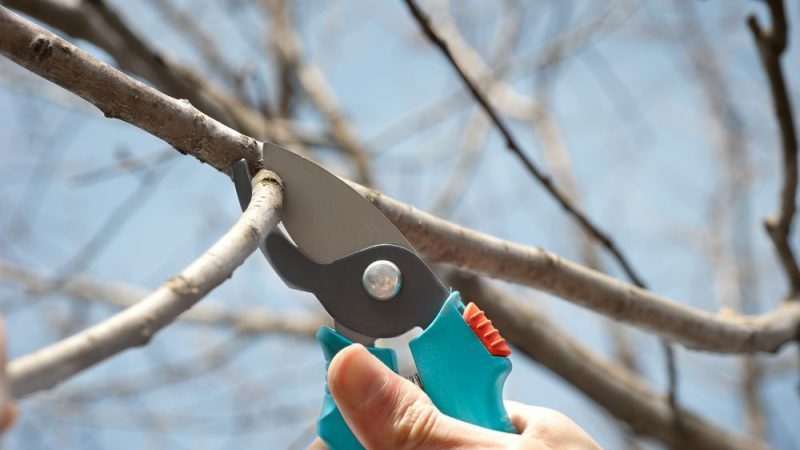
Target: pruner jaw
(339,288)
(339,285)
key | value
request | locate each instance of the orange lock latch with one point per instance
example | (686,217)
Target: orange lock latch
(486,332)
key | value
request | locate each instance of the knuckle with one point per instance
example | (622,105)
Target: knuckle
(415,426)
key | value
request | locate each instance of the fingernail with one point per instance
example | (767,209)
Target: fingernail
(359,378)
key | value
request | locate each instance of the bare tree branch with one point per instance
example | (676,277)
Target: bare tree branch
(756,420)
(136,325)
(477,126)
(99,24)
(119,96)
(508,100)
(512,144)
(315,85)
(557,154)
(771,45)
(445,242)
(734,266)
(185,24)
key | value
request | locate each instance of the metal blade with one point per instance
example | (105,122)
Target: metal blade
(324,216)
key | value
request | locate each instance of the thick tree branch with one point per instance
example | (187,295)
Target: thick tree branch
(621,392)
(136,325)
(119,96)
(771,45)
(445,242)
(99,24)
(172,120)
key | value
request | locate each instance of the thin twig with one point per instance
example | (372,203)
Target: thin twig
(184,23)
(123,164)
(771,45)
(477,128)
(316,86)
(512,144)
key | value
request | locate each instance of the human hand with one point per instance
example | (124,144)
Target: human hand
(387,412)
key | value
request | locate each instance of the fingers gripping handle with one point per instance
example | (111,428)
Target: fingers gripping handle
(462,378)
(331,426)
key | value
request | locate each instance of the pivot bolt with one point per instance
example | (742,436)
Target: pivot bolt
(382,280)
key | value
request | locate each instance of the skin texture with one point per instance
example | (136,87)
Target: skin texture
(388,412)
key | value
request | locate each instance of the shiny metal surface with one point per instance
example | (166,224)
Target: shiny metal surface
(382,280)
(325,217)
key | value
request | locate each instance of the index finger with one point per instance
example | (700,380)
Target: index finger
(318,444)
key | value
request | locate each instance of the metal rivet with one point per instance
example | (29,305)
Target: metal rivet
(382,280)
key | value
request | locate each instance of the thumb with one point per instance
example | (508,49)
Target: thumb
(386,411)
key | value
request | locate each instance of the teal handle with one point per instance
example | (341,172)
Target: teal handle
(457,372)
(331,426)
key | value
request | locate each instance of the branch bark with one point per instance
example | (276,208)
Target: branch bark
(136,325)
(445,242)
(119,96)
(98,23)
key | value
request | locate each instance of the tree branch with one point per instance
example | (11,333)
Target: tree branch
(99,24)
(545,180)
(119,96)
(194,34)
(448,243)
(771,45)
(136,325)
(312,80)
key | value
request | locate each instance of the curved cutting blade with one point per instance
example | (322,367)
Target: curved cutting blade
(324,216)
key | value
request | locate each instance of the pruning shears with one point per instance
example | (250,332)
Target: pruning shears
(338,246)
